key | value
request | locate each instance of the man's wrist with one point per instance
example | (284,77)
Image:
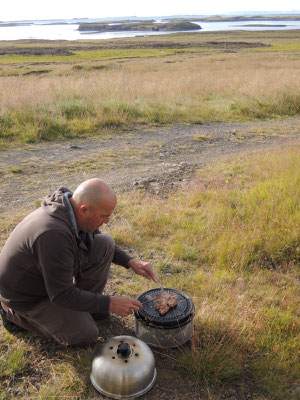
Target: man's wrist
(131,262)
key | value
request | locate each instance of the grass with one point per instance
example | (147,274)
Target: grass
(232,204)
(81,56)
(16,170)
(191,83)
(64,374)
(200,138)
(233,245)
(12,357)
(106,104)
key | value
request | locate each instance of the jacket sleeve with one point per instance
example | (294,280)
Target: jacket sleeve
(54,256)
(121,257)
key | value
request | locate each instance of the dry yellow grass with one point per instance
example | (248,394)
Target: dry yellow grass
(194,79)
(196,84)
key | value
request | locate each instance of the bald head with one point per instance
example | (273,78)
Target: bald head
(93,203)
(93,193)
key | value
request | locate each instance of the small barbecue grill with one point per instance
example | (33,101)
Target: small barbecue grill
(169,330)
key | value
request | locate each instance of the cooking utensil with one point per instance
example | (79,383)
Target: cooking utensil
(123,366)
(161,287)
(172,329)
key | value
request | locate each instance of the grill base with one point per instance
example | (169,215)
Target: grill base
(166,338)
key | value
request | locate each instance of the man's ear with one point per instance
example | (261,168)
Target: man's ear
(83,209)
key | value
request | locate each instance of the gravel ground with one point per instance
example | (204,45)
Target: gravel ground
(158,160)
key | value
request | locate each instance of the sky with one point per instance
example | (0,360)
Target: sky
(65,9)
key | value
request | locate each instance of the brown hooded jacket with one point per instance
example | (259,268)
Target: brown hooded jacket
(43,254)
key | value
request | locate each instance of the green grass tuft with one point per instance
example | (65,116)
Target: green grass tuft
(76,109)
(12,359)
(216,356)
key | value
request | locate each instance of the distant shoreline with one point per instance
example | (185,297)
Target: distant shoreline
(238,18)
(192,18)
(13,24)
(265,25)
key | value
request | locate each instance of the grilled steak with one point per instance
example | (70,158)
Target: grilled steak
(164,301)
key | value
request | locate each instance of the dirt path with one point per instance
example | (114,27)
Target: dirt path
(157,159)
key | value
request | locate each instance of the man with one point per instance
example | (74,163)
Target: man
(54,267)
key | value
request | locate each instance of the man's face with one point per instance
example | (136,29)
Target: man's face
(93,218)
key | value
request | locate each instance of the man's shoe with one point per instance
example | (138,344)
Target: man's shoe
(97,316)
(10,326)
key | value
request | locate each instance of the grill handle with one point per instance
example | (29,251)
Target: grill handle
(124,350)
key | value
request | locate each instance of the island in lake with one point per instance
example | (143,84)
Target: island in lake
(169,26)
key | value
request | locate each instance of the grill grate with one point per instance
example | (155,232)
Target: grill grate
(177,315)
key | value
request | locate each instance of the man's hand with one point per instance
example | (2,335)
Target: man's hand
(123,305)
(142,268)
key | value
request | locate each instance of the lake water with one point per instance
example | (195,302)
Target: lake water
(38,30)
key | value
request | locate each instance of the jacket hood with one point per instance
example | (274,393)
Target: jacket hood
(55,205)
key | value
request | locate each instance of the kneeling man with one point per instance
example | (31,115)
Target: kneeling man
(54,267)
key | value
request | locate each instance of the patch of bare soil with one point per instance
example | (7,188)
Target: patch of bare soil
(158,160)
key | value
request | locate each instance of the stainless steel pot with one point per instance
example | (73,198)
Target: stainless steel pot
(123,366)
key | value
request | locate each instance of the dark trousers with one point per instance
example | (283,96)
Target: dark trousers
(64,325)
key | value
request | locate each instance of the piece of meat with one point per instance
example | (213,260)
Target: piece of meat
(164,301)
